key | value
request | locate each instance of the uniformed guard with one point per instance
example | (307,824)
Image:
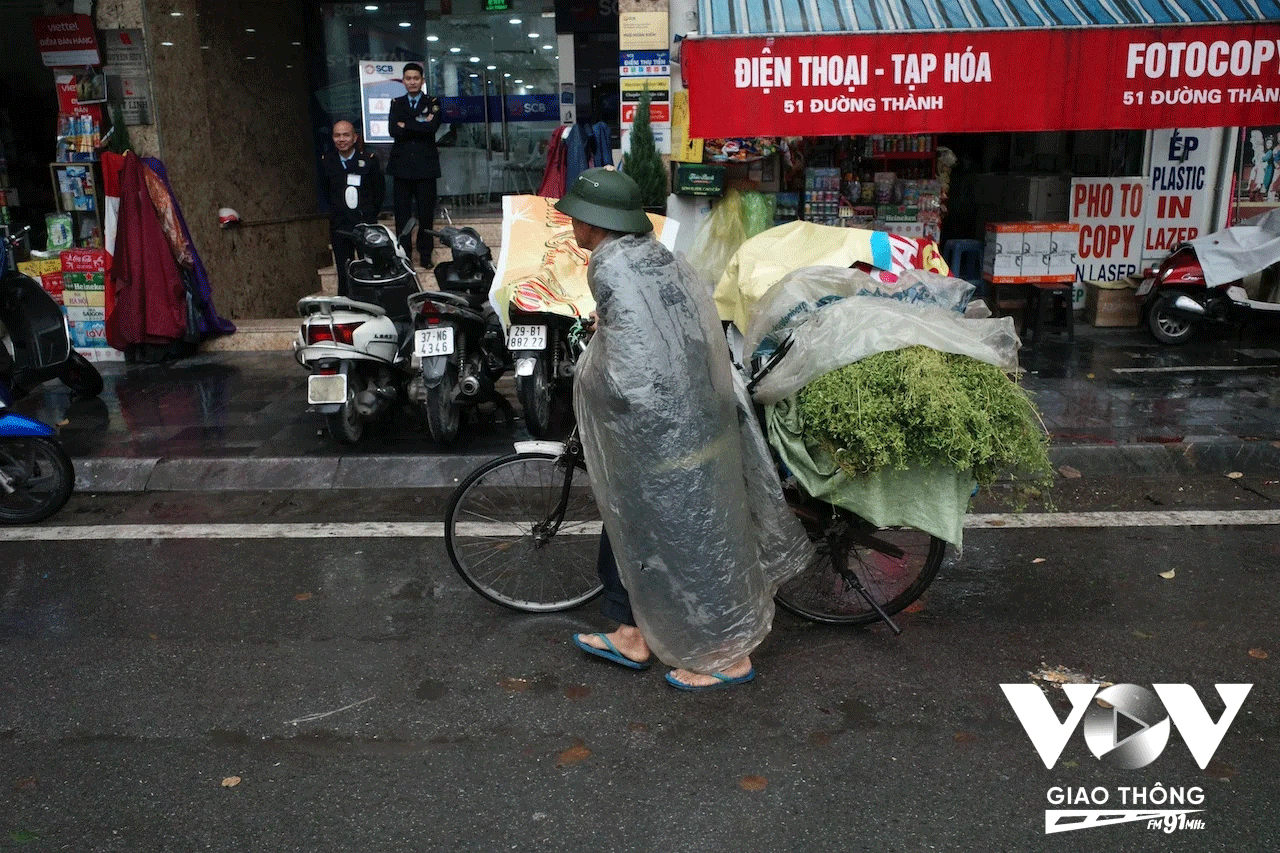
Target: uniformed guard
(413,121)
(355,190)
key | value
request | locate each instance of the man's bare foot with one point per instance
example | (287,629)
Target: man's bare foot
(689,678)
(627,639)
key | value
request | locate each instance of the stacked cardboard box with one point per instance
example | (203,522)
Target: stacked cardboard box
(83,293)
(1030,252)
(47,273)
(1112,303)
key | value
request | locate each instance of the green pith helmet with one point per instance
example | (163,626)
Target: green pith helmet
(606,199)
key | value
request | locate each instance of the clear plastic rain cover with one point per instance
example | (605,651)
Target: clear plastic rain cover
(678,464)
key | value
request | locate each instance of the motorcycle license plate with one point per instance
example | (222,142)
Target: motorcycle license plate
(1145,287)
(326,389)
(437,341)
(527,337)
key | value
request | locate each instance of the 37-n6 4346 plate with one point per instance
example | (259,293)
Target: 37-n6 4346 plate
(434,341)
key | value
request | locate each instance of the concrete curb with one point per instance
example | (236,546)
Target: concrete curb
(254,473)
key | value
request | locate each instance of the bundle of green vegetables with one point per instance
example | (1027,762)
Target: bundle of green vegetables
(921,406)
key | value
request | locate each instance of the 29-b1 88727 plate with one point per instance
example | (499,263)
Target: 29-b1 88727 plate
(437,340)
(527,337)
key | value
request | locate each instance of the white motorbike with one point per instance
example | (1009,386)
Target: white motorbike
(358,348)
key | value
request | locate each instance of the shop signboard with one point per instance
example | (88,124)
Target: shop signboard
(1112,214)
(126,70)
(1183,186)
(643,31)
(469,109)
(379,85)
(66,41)
(973,81)
(640,71)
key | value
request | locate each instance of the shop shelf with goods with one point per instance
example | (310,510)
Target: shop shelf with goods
(79,198)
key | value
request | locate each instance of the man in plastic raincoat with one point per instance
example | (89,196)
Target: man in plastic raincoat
(690,504)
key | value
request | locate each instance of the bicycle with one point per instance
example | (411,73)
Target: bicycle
(522,530)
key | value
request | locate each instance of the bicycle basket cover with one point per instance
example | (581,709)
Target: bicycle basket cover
(678,465)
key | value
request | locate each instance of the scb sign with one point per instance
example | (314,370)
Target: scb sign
(1128,727)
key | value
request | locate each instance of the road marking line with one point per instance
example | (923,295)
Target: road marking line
(1192,368)
(1157,518)
(435,529)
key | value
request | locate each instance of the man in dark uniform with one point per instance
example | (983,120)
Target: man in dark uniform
(415,162)
(355,188)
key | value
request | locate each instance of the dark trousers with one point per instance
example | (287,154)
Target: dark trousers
(615,604)
(343,251)
(415,198)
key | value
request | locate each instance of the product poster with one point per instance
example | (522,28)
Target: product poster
(379,85)
(541,267)
(1257,174)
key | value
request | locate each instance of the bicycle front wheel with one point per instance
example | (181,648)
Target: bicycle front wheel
(895,565)
(524,531)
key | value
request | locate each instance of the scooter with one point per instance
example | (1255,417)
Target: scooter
(356,347)
(36,475)
(459,351)
(37,334)
(1201,282)
(544,364)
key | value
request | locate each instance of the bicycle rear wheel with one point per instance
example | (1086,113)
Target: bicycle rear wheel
(895,564)
(507,539)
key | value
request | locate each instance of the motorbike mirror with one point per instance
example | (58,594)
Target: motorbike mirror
(408,227)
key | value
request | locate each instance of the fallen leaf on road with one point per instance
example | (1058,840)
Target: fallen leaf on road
(1069,472)
(1168,575)
(1235,475)
(1141,636)
(820,739)
(231,781)
(1218,770)
(577,691)
(1038,560)
(1260,654)
(753,783)
(965,737)
(27,784)
(916,606)
(302,596)
(1061,675)
(573,755)
(996,523)
(1089,376)
(515,685)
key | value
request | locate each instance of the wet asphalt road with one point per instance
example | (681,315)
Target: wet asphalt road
(369,701)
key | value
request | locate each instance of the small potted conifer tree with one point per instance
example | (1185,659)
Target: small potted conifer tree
(643,162)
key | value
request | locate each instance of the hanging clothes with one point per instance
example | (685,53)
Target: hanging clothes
(144,288)
(207,317)
(553,177)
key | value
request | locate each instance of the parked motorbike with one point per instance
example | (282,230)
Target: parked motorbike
(37,334)
(459,351)
(1201,283)
(36,475)
(544,364)
(356,347)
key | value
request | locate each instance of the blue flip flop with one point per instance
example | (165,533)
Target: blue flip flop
(610,653)
(722,681)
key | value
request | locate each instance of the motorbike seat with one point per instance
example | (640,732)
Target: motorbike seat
(464,300)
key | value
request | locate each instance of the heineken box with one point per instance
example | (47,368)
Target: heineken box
(699,179)
(83,281)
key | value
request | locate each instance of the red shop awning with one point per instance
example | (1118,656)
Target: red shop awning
(961,81)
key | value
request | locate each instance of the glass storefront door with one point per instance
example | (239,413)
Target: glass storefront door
(495,72)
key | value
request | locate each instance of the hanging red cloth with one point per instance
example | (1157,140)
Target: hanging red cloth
(144,289)
(552,185)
